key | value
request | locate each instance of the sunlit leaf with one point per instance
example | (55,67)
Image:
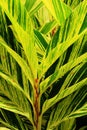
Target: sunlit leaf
(61,12)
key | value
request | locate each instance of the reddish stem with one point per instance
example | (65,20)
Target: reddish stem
(36,104)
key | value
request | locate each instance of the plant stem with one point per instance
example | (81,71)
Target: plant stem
(37,117)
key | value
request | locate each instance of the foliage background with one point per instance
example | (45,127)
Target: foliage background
(60,43)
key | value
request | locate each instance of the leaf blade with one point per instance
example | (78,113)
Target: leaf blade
(50,102)
(19,60)
(58,9)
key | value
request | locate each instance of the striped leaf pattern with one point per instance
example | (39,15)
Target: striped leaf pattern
(61,12)
(61,72)
(43,64)
(56,52)
(23,28)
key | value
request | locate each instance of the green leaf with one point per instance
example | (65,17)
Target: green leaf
(24,29)
(15,84)
(41,42)
(73,31)
(13,108)
(50,102)
(36,6)
(4,128)
(56,53)
(14,100)
(19,60)
(83,128)
(48,27)
(29,4)
(63,52)
(77,19)
(59,73)
(68,124)
(78,113)
(66,107)
(58,9)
